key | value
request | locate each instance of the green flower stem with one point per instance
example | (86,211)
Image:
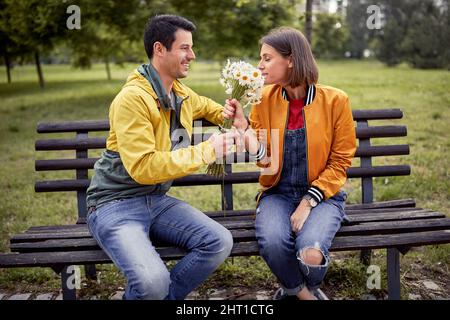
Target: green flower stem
(218,169)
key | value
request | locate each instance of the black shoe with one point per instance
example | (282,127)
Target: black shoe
(281,294)
(319,294)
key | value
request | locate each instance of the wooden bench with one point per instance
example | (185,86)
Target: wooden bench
(395,225)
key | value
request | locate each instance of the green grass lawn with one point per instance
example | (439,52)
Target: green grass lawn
(86,94)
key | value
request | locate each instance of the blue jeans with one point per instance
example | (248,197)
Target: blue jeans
(126,230)
(281,248)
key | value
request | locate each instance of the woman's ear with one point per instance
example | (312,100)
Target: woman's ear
(290,64)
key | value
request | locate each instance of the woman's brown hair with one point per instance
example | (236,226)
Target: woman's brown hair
(291,42)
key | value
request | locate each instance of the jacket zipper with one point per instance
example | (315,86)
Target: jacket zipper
(306,146)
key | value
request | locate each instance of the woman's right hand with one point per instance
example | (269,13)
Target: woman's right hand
(298,218)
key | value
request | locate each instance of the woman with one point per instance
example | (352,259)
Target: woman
(310,138)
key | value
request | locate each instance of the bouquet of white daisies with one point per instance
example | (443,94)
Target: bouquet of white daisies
(244,83)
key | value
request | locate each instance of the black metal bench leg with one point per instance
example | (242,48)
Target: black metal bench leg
(90,271)
(365,257)
(393,266)
(69,282)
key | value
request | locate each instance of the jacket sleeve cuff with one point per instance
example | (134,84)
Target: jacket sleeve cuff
(208,152)
(316,194)
(220,119)
(260,154)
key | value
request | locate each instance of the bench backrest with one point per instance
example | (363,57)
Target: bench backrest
(82,143)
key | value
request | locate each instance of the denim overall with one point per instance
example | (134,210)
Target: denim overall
(293,182)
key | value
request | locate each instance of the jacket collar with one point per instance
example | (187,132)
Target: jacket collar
(310,94)
(151,74)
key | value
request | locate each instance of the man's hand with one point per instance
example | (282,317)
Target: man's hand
(233,109)
(223,143)
(300,215)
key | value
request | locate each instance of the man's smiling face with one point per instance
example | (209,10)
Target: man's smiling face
(176,61)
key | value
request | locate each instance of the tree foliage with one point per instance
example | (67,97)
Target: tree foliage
(330,36)
(415,31)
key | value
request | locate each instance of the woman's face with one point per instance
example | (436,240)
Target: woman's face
(274,67)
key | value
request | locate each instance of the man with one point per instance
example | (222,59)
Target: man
(148,146)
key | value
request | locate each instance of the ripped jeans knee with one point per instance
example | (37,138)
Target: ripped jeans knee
(314,263)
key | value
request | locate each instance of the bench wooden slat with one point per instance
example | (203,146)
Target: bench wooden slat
(421,217)
(379,171)
(380,114)
(355,216)
(392,216)
(100,142)
(233,178)
(381,206)
(349,210)
(364,231)
(381,132)
(56,245)
(192,180)
(88,243)
(53,259)
(70,144)
(411,239)
(50,259)
(30,237)
(73,126)
(399,203)
(388,227)
(246,235)
(40,237)
(67,164)
(248,221)
(103,125)
(92,143)
(377,151)
(88,163)
(90,125)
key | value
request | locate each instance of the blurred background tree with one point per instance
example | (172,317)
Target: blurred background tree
(412,31)
(31,28)
(356,18)
(330,36)
(232,28)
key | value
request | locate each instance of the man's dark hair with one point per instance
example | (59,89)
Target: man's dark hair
(162,28)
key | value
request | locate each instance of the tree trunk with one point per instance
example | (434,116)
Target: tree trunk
(39,70)
(308,20)
(108,70)
(8,66)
